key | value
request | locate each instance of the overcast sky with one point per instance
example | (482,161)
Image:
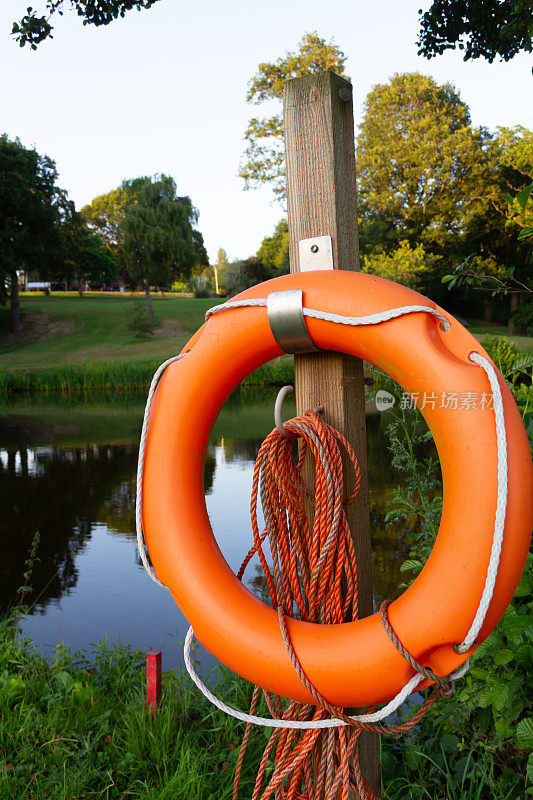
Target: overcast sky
(164,90)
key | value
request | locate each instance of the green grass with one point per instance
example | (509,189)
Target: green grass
(73,344)
(483,329)
(76,727)
(73,330)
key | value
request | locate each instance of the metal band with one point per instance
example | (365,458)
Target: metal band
(287,322)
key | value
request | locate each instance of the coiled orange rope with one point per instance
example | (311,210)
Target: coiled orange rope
(314,578)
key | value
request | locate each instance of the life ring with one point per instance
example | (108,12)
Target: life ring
(355,663)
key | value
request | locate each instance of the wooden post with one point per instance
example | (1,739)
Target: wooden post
(153,681)
(322,201)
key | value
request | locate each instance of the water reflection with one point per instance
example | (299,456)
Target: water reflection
(61,476)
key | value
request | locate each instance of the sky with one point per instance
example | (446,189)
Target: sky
(164,90)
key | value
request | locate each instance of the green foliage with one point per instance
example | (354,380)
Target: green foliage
(497,226)
(474,744)
(240,275)
(480,28)
(116,376)
(31,209)
(140,323)
(274,250)
(33,29)
(418,161)
(264,158)
(157,232)
(149,231)
(418,499)
(406,265)
(86,258)
(104,215)
(503,352)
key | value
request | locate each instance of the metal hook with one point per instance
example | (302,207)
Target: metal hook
(283,392)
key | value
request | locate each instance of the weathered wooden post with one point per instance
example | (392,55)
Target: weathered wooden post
(322,202)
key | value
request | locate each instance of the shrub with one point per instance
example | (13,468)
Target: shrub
(140,323)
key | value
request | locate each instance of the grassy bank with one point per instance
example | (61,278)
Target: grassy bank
(114,376)
(73,344)
(70,330)
(76,727)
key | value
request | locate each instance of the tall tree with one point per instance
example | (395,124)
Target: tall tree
(274,250)
(33,29)
(419,161)
(264,158)
(85,257)
(240,275)
(32,207)
(486,28)
(497,253)
(158,240)
(104,214)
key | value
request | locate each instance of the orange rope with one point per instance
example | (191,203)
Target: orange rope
(313,577)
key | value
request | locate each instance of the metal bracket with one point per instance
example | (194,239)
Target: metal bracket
(287,323)
(316,253)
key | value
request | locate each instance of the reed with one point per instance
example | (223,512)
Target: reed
(114,376)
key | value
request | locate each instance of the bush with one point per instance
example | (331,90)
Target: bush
(502,351)
(140,323)
(201,293)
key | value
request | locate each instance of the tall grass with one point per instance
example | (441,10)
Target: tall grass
(114,376)
(77,727)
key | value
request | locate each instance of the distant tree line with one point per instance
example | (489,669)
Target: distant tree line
(142,232)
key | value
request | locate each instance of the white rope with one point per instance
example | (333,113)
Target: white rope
(140,469)
(332,722)
(501,505)
(371,319)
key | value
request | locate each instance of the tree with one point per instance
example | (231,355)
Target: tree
(497,249)
(419,162)
(264,158)
(159,243)
(406,265)
(33,29)
(86,258)
(240,275)
(486,28)
(274,250)
(104,215)
(31,209)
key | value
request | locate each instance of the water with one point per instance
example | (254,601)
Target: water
(68,471)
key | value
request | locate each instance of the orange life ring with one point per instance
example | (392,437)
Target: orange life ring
(355,663)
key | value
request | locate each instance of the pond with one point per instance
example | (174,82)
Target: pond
(68,471)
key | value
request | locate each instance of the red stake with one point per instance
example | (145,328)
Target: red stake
(153,681)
